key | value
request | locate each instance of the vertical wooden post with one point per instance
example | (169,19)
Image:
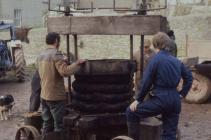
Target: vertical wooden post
(131,47)
(76,46)
(142,55)
(68,58)
(186,45)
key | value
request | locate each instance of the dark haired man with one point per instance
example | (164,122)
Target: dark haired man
(52,67)
(163,72)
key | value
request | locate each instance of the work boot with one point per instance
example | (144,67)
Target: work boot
(133,130)
(47,130)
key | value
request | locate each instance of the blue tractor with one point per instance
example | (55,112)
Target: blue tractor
(11,53)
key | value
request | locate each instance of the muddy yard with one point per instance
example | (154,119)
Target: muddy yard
(21,93)
(195,122)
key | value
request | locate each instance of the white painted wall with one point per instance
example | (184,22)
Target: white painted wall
(32,11)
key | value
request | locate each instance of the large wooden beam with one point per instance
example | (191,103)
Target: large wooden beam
(60,25)
(107,25)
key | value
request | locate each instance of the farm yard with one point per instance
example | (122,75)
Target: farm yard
(192,28)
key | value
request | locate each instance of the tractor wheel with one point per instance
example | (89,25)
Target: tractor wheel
(200,90)
(122,138)
(20,64)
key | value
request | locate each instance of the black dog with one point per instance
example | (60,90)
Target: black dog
(6,104)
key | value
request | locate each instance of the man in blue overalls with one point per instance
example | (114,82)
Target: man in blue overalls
(163,72)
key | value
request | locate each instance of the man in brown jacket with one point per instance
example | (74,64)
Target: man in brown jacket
(52,67)
(148,54)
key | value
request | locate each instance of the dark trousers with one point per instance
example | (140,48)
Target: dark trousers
(35,95)
(34,102)
(167,104)
(52,115)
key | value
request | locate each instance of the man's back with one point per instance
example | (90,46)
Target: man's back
(164,72)
(168,70)
(52,67)
(52,83)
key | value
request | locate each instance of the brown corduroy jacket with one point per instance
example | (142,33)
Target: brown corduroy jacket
(52,68)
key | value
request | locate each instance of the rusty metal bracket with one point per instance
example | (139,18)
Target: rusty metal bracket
(67,8)
(141,9)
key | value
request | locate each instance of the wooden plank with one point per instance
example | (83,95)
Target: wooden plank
(101,120)
(60,25)
(108,25)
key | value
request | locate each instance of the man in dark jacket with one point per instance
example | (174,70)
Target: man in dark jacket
(172,46)
(35,93)
(163,72)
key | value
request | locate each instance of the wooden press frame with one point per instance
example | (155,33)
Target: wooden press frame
(107,25)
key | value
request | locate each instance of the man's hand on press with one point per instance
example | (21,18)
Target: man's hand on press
(80,61)
(133,106)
